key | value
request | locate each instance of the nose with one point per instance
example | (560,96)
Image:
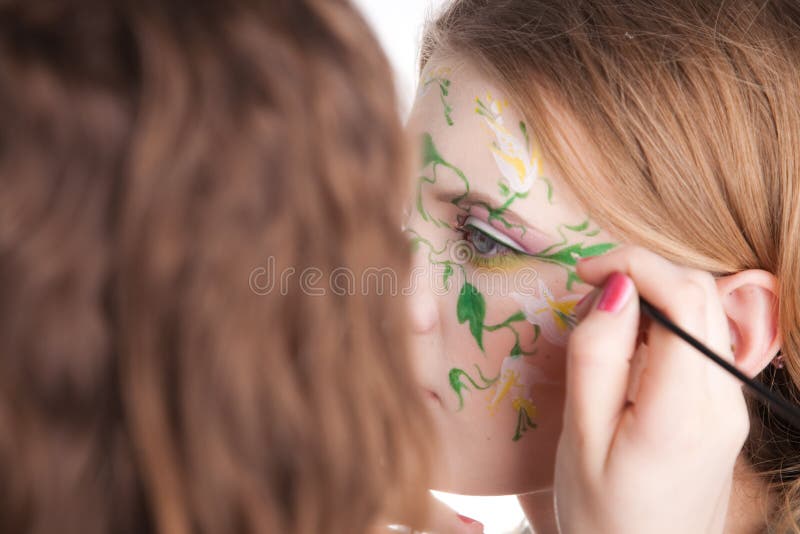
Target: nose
(424,311)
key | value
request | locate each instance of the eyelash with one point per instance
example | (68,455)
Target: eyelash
(501,256)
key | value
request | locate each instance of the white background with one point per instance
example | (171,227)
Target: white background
(398,25)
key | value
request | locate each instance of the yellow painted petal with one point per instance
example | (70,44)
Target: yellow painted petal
(566,307)
(521,403)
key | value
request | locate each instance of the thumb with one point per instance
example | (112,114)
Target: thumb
(598,363)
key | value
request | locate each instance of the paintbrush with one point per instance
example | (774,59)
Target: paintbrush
(781,407)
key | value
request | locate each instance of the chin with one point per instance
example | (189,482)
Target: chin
(483,465)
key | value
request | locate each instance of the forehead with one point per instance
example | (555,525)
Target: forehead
(473,125)
(449,93)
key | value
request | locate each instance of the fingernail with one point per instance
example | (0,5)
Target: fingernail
(616,293)
(469,520)
(583,299)
(583,306)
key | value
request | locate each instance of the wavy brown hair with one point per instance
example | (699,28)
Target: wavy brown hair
(153,154)
(693,108)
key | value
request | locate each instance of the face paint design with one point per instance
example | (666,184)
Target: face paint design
(513,386)
(554,316)
(566,253)
(517,159)
(432,158)
(440,77)
(447,266)
(497,240)
(460,380)
(517,377)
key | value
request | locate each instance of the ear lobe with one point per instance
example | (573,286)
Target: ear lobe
(750,300)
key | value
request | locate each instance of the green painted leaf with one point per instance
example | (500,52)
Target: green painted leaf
(596,250)
(517,317)
(504,190)
(448,272)
(471,308)
(565,255)
(456,384)
(572,277)
(549,191)
(429,152)
(578,227)
(420,206)
(456,375)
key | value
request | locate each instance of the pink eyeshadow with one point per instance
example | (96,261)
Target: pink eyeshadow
(532,241)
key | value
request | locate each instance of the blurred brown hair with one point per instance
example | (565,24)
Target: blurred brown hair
(693,110)
(153,154)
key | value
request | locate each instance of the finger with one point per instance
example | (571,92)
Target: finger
(598,364)
(679,292)
(677,377)
(585,304)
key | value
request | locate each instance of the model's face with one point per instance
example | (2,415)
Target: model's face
(496,235)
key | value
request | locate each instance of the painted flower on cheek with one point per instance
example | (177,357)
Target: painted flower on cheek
(517,160)
(553,316)
(515,382)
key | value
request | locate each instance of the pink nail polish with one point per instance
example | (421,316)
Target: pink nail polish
(616,293)
(468,520)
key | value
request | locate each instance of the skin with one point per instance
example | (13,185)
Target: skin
(491,358)
(676,437)
(497,385)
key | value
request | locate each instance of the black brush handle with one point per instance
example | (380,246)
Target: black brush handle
(782,407)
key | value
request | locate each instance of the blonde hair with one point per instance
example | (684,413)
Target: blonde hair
(693,110)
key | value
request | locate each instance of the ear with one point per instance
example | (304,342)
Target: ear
(750,300)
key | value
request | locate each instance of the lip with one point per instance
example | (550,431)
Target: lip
(431,396)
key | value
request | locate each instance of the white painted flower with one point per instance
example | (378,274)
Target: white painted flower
(518,161)
(553,316)
(518,375)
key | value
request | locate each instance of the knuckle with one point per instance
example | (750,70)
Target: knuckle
(692,292)
(583,349)
(636,255)
(579,341)
(589,346)
(704,280)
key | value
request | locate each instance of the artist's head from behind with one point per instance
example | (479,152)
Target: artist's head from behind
(563,128)
(154,156)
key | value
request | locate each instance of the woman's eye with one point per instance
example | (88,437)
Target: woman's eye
(484,244)
(488,242)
